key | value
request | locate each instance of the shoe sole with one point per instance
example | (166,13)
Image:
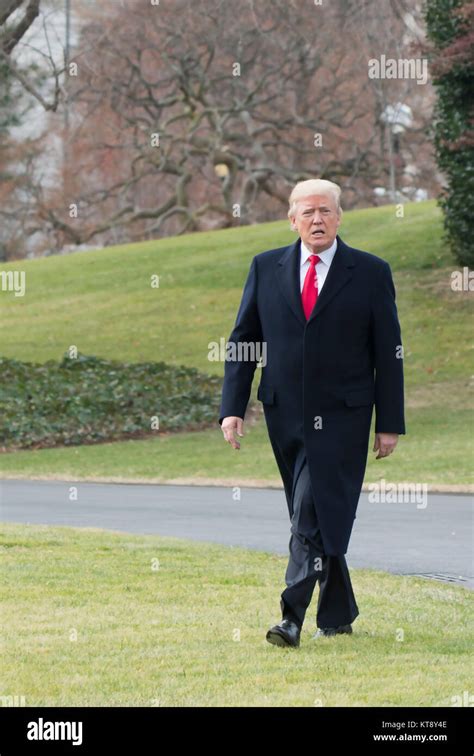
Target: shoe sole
(278,640)
(332,635)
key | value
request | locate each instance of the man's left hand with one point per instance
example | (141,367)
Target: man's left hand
(385,443)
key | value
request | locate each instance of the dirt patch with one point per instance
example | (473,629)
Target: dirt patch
(222,482)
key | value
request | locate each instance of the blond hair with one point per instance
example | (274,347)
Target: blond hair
(314,186)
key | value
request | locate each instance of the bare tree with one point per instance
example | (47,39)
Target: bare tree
(209,121)
(183,117)
(12,32)
(396,32)
(16,18)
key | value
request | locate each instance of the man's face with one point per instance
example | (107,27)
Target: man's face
(316,221)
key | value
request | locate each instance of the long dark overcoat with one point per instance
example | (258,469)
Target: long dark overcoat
(323,376)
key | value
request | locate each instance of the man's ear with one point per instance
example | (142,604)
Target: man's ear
(292,224)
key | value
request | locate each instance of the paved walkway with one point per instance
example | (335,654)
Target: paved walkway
(401,538)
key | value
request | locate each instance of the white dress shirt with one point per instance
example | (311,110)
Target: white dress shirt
(322,266)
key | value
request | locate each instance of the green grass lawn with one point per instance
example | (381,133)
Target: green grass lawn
(436,450)
(94,618)
(102,303)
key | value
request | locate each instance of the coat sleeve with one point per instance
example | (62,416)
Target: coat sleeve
(238,373)
(388,356)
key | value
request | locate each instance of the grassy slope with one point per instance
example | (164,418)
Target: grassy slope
(109,630)
(102,302)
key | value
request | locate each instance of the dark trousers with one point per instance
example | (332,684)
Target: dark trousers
(308,564)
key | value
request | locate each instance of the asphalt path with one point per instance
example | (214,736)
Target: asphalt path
(433,538)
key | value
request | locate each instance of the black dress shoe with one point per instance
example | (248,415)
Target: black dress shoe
(324,632)
(287,633)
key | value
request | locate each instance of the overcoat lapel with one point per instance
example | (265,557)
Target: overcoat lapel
(288,276)
(288,279)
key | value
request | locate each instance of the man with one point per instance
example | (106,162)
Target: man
(327,315)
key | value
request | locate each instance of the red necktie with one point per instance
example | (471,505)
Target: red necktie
(309,295)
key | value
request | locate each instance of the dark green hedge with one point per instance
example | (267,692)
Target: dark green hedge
(449,30)
(88,399)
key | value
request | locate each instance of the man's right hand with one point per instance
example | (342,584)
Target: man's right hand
(231,425)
